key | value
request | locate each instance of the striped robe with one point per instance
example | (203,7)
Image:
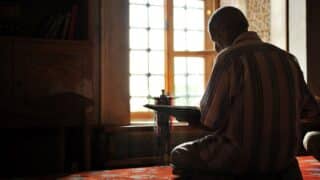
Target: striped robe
(254,101)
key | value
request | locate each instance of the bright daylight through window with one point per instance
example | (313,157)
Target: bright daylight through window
(168,50)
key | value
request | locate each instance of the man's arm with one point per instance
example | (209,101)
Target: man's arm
(215,103)
(311,121)
(310,107)
(310,114)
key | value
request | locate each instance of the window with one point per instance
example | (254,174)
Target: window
(169,48)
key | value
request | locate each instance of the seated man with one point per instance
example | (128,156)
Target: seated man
(253,103)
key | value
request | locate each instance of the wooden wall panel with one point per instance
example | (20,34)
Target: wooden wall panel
(123,146)
(115,63)
(42,70)
(52,86)
(48,73)
(6,69)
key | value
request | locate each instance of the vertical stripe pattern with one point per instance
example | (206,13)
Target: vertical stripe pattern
(251,99)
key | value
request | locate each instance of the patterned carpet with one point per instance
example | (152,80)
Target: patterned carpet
(309,166)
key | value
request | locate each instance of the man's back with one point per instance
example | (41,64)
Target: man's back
(252,103)
(254,98)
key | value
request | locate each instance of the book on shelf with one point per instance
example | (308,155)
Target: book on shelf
(73,21)
(65,26)
(51,28)
(54,32)
(45,25)
(60,25)
(9,9)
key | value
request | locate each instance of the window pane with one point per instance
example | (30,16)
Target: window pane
(180,66)
(147,47)
(156,62)
(180,101)
(195,3)
(195,40)
(136,104)
(180,41)
(195,19)
(156,2)
(138,16)
(156,17)
(180,85)
(139,1)
(195,85)
(156,39)
(138,85)
(179,21)
(138,39)
(179,3)
(156,84)
(189,79)
(195,65)
(194,101)
(189,25)
(138,62)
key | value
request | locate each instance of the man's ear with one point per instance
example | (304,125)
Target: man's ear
(223,40)
(217,47)
(226,39)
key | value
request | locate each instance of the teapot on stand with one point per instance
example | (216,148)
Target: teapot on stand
(163,124)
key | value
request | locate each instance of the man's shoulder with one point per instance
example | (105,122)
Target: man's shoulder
(239,54)
(264,47)
(280,51)
(238,50)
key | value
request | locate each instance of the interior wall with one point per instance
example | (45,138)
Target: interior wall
(298,32)
(258,14)
(266,17)
(278,23)
(115,108)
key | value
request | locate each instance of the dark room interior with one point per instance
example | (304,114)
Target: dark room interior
(68,99)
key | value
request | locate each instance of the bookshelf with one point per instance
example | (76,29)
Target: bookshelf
(51,19)
(46,30)
(35,63)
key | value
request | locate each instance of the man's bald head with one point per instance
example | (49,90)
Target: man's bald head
(226,24)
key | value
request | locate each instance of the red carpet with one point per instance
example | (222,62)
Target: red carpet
(155,172)
(309,166)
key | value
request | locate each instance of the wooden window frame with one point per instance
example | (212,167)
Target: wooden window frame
(114,62)
(208,54)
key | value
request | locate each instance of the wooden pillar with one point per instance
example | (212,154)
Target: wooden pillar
(115,62)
